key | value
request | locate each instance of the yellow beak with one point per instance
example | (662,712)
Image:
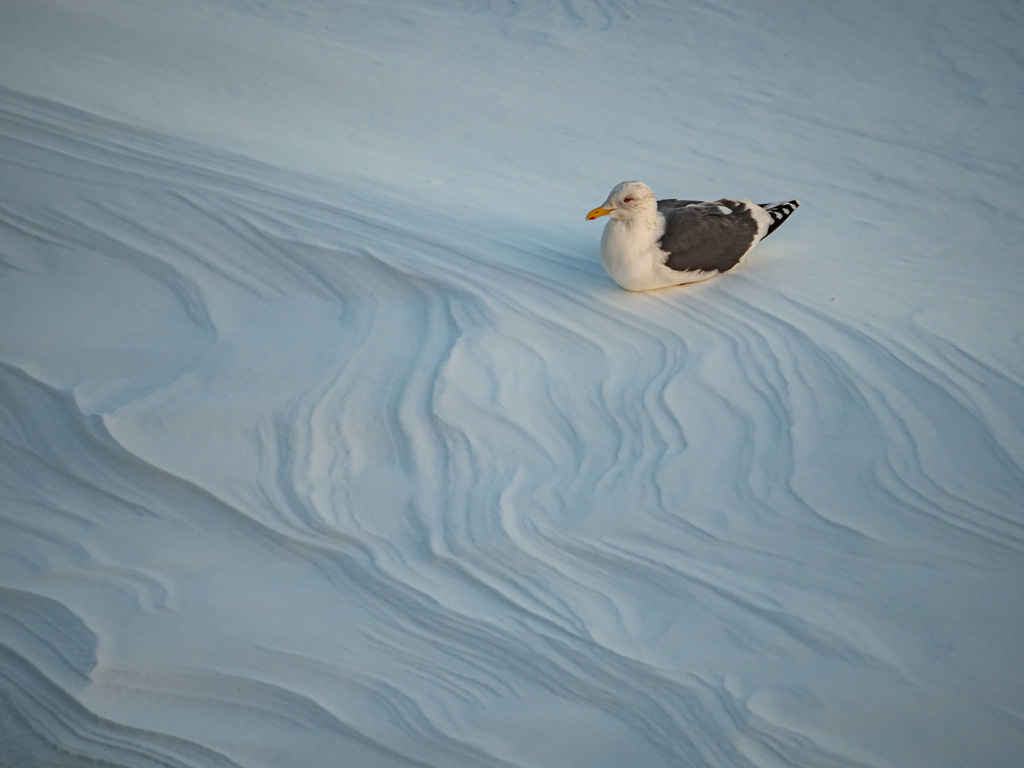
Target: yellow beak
(598,213)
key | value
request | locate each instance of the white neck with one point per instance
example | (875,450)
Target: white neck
(641,220)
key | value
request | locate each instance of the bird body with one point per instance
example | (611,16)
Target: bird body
(650,243)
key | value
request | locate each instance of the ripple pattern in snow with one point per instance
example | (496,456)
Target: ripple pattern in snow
(293,475)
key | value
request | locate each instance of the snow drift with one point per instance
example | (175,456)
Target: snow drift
(324,438)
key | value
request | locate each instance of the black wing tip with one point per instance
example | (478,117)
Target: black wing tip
(779,212)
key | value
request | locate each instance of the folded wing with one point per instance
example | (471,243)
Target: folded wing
(707,237)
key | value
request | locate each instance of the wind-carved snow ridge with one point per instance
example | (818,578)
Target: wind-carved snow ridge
(315,471)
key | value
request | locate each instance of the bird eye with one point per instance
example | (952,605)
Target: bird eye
(627,199)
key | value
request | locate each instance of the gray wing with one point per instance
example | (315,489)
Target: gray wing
(698,237)
(664,206)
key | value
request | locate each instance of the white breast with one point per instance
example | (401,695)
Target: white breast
(631,256)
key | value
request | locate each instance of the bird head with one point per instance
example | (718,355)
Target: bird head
(629,200)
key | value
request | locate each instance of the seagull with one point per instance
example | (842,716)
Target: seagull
(652,243)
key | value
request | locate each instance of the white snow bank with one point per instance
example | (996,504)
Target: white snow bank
(324,439)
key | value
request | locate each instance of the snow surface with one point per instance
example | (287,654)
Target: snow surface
(325,440)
